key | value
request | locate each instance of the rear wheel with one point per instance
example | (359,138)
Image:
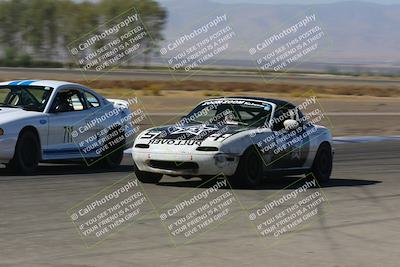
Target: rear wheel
(322,165)
(27,154)
(147,177)
(250,169)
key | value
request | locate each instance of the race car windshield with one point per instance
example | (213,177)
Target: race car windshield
(32,98)
(230,112)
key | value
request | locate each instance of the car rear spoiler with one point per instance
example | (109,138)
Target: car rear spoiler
(118,103)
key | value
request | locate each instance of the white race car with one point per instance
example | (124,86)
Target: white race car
(54,121)
(243,138)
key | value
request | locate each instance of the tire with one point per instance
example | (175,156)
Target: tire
(147,177)
(27,154)
(115,153)
(207,178)
(249,172)
(322,165)
(208,181)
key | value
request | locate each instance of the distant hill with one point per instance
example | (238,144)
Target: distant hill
(359,32)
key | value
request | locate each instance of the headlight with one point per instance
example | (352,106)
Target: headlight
(222,160)
(1,132)
(142,146)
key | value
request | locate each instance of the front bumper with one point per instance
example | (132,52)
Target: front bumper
(7,148)
(185,164)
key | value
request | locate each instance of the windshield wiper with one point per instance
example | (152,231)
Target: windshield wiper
(197,122)
(236,123)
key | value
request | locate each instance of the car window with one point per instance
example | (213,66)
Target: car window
(69,100)
(300,117)
(92,101)
(3,94)
(33,98)
(77,102)
(247,113)
(286,112)
(250,115)
(281,114)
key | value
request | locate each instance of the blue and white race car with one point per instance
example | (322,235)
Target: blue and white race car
(243,138)
(55,121)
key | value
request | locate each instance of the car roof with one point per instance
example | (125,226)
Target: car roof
(51,83)
(277,102)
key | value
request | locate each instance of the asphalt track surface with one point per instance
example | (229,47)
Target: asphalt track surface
(362,227)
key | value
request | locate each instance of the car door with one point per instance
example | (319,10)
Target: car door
(301,148)
(291,146)
(68,119)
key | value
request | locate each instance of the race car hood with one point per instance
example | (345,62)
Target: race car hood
(12,114)
(196,131)
(187,137)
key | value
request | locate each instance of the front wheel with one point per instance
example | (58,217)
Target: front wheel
(322,165)
(147,177)
(250,169)
(114,153)
(27,154)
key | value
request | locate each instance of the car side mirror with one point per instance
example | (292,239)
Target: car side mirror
(290,125)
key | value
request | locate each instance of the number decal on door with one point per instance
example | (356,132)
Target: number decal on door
(67,134)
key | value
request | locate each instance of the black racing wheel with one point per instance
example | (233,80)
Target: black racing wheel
(27,154)
(113,155)
(322,165)
(250,169)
